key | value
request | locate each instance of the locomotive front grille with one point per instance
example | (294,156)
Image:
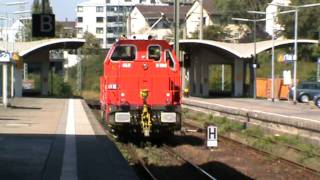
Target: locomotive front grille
(122,117)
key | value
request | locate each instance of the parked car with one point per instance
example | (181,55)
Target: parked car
(306,91)
(316,100)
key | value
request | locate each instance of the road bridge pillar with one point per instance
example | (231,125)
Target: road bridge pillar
(18,82)
(238,77)
(45,77)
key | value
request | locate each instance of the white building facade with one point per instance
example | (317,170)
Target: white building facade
(194,15)
(12,33)
(106,19)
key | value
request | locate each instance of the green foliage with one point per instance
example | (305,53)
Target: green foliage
(92,44)
(57,86)
(212,32)
(239,8)
(36,79)
(308,22)
(92,70)
(215,82)
(306,67)
(36,7)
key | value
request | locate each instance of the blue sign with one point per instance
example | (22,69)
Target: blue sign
(4,57)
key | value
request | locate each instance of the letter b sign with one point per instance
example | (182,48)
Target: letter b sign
(43,25)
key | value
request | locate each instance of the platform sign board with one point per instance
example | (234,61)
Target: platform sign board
(4,57)
(212,136)
(287,80)
(318,60)
(43,25)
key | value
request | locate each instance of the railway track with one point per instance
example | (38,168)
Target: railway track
(197,129)
(148,172)
(204,173)
(141,164)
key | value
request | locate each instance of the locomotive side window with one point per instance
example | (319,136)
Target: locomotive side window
(154,52)
(124,53)
(170,59)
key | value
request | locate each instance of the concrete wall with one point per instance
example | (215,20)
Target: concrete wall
(201,59)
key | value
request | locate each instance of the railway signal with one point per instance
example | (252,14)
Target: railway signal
(212,136)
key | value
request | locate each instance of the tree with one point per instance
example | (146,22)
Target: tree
(92,44)
(212,32)
(308,27)
(47,7)
(36,7)
(309,21)
(239,8)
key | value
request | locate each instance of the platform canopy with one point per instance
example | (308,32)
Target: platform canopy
(241,50)
(28,48)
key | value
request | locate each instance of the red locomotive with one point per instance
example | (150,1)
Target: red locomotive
(140,90)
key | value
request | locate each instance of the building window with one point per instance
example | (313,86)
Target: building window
(108,1)
(99,30)
(111,19)
(99,19)
(79,30)
(99,9)
(110,30)
(111,40)
(111,8)
(127,0)
(80,19)
(100,40)
(80,9)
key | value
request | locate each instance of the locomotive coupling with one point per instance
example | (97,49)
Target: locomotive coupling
(145,115)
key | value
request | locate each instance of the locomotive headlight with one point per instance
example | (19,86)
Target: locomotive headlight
(168,94)
(122,94)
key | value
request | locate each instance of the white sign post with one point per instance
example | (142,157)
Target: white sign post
(318,70)
(212,136)
(287,80)
(5,59)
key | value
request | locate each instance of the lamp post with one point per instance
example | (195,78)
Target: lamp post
(296,10)
(255,49)
(273,54)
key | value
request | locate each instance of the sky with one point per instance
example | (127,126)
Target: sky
(62,8)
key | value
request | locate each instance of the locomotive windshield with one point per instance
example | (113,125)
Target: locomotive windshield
(124,53)
(154,52)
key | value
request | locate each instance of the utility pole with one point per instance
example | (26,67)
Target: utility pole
(222,77)
(201,20)
(254,58)
(295,56)
(176,27)
(272,64)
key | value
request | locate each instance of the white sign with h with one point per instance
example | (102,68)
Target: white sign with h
(212,136)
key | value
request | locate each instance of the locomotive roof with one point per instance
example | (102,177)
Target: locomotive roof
(142,41)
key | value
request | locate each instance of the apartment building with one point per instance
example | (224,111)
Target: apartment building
(106,19)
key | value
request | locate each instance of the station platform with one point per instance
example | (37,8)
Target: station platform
(283,116)
(47,138)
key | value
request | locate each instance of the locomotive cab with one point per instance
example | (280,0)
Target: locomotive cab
(141,87)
